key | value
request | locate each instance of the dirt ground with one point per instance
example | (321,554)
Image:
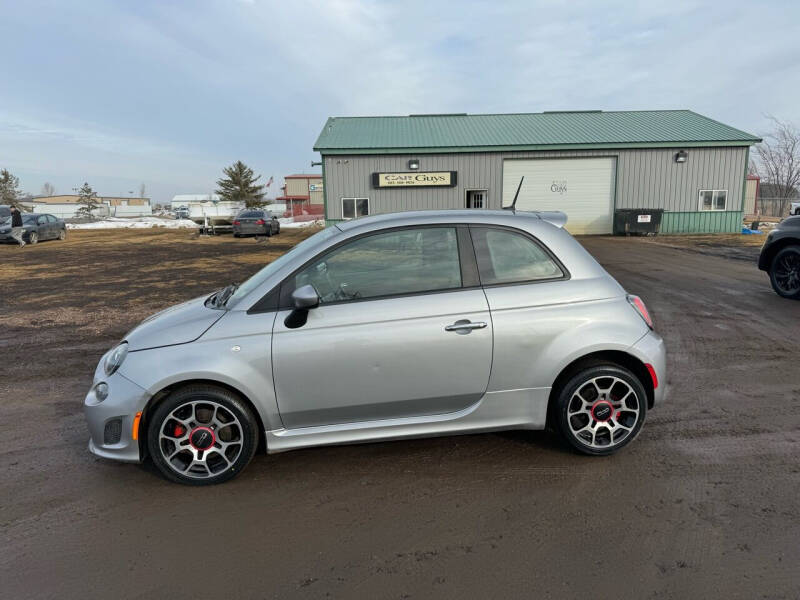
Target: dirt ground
(704,504)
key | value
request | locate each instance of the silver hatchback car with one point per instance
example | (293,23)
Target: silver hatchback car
(389,327)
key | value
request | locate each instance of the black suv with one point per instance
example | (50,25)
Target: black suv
(780,257)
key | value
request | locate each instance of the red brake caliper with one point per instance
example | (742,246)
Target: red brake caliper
(179,430)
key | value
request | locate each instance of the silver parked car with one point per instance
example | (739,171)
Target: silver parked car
(388,327)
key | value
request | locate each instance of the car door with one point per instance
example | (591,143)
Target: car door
(42,228)
(53,226)
(402,330)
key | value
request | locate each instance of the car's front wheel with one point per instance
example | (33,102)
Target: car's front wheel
(784,273)
(601,409)
(202,435)
(33,237)
(62,235)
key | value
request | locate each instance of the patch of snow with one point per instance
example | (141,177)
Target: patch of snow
(288,223)
(135,223)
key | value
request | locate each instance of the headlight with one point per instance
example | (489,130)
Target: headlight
(116,357)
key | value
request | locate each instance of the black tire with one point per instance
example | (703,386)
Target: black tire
(33,237)
(579,382)
(236,235)
(162,417)
(784,272)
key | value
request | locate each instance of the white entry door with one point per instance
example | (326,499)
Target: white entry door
(583,188)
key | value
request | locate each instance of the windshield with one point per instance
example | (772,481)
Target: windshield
(264,274)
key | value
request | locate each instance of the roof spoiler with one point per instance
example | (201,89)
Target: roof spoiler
(554,217)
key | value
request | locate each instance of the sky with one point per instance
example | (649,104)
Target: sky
(168,92)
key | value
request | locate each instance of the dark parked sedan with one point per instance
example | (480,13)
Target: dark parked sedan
(780,257)
(255,222)
(36,227)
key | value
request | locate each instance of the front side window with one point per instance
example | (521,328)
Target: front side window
(713,199)
(508,257)
(51,219)
(398,262)
(352,208)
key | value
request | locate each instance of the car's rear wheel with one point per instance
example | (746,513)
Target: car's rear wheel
(601,409)
(62,235)
(202,435)
(784,274)
(33,237)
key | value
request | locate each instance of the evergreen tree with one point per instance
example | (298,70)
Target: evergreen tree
(240,185)
(9,188)
(88,201)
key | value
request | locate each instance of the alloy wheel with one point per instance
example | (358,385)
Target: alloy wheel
(33,237)
(201,439)
(603,412)
(786,273)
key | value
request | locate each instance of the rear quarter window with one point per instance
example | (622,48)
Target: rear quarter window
(509,257)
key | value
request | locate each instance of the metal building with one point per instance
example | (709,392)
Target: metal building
(586,163)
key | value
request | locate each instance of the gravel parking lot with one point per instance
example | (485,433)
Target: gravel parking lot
(704,504)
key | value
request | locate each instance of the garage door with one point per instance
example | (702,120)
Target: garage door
(581,187)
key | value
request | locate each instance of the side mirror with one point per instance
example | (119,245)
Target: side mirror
(305,297)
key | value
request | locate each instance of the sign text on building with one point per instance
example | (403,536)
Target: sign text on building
(433,179)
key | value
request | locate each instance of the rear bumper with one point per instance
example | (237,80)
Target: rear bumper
(253,230)
(651,350)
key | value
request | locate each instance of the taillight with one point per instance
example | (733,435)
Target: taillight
(260,222)
(640,308)
(237,223)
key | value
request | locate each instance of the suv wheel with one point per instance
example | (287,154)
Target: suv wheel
(202,435)
(784,273)
(601,409)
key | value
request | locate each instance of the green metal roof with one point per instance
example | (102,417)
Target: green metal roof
(526,131)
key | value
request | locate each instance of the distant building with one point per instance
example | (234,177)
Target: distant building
(65,206)
(303,195)
(751,192)
(776,190)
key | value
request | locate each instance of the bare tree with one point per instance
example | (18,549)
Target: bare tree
(778,158)
(142,191)
(48,189)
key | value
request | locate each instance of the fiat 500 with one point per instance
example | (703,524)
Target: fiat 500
(385,328)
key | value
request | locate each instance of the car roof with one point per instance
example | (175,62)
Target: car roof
(477,216)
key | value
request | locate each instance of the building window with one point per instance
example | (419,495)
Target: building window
(713,199)
(477,198)
(352,208)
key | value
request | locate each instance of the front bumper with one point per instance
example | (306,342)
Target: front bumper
(5,238)
(124,400)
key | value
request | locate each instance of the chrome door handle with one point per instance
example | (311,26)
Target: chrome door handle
(464,326)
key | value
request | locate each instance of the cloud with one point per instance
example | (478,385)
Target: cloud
(171,92)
